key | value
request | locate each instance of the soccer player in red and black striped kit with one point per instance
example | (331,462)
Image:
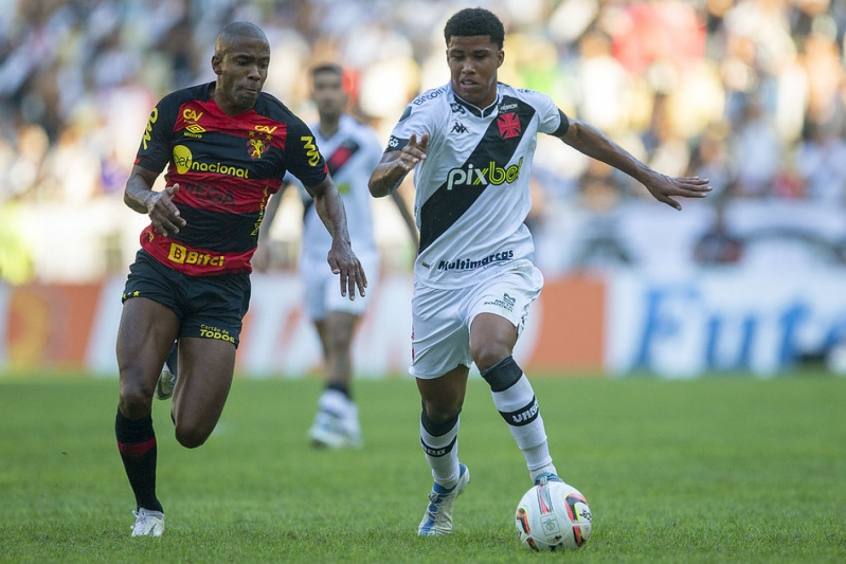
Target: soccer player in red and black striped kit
(227,146)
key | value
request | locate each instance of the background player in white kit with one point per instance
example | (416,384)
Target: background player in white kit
(471,144)
(352,151)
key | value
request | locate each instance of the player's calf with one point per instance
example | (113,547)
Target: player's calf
(515,400)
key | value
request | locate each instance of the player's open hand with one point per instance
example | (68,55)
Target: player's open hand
(343,261)
(664,188)
(413,153)
(163,212)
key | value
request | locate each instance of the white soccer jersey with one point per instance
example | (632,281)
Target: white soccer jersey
(472,190)
(351,155)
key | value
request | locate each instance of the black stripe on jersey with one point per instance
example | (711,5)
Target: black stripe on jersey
(215,231)
(342,155)
(563,126)
(444,207)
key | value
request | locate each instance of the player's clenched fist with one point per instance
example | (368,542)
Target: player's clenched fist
(164,215)
(413,153)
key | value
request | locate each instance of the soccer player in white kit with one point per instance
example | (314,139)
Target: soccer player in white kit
(470,144)
(352,151)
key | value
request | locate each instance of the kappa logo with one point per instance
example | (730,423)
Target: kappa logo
(312,153)
(458,127)
(509,125)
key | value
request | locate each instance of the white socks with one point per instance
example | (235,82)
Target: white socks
(440,444)
(515,400)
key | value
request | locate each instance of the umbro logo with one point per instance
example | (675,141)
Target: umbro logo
(458,127)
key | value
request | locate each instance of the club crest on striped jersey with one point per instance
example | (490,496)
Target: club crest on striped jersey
(258,142)
(509,125)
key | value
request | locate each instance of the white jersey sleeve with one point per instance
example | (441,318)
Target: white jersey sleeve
(551,120)
(422,116)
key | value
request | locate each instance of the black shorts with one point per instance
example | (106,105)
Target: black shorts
(210,307)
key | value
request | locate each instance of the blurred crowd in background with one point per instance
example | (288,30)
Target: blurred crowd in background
(750,93)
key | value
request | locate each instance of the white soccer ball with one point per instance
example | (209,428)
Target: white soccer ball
(553,516)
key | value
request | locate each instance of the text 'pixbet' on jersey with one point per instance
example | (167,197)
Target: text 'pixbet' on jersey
(471,175)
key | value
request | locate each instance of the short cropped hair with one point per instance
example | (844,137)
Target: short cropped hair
(475,21)
(327,67)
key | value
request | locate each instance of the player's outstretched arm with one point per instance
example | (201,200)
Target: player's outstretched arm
(139,196)
(395,165)
(594,143)
(342,260)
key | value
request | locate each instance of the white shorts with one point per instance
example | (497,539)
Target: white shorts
(441,319)
(322,289)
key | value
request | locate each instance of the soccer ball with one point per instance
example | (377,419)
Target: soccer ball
(553,516)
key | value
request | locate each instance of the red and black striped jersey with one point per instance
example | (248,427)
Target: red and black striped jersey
(226,167)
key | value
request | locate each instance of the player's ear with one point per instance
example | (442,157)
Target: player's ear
(500,57)
(216,62)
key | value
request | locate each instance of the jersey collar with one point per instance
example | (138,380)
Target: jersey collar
(476,110)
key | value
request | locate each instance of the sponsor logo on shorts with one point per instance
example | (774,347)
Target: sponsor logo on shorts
(216,333)
(472,264)
(491,174)
(184,161)
(506,302)
(180,254)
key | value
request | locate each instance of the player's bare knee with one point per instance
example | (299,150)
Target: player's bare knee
(191,436)
(136,398)
(486,355)
(442,410)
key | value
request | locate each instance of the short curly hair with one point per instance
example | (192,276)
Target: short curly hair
(475,21)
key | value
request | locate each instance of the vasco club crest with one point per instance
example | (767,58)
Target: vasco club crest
(509,125)
(257,143)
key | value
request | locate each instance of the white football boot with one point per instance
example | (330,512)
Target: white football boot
(148,523)
(437,521)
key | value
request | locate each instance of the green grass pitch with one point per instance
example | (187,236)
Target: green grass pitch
(719,469)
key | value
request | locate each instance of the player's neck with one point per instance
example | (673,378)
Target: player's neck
(228,106)
(329,125)
(480,104)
